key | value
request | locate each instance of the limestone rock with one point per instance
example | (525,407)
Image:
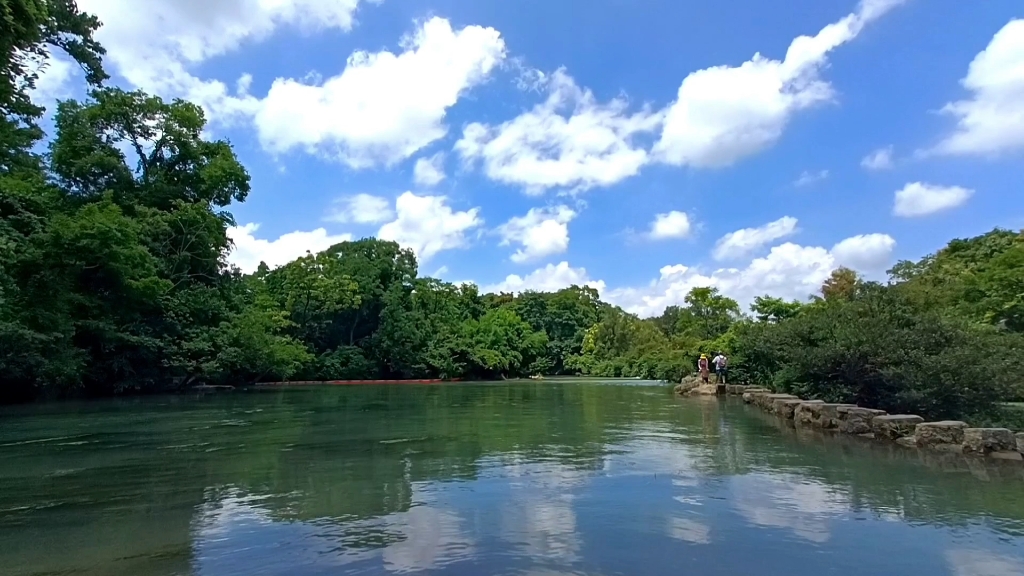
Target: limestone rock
(827,415)
(704,390)
(940,434)
(987,440)
(818,413)
(750,393)
(894,426)
(1007,455)
(1020,442)
(688,383)
(735,389)
(856,420)
(804,413)
(767,400)
(951,448)
(786,407)
(907,442)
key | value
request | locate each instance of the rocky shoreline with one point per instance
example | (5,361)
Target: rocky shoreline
(908,430)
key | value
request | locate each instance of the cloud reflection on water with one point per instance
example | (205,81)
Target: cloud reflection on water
(788,501)
(432,537)
(242,532)
(689,531)
(968,562)
(538,516)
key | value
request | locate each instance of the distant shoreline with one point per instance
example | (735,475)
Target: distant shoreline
(354,382)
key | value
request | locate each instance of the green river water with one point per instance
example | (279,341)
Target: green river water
(554,477)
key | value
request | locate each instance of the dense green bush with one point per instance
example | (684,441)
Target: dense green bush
(878,348)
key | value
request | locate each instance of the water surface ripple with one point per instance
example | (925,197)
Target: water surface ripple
(521,478)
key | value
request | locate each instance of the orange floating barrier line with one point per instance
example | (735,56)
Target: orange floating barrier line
(354,382)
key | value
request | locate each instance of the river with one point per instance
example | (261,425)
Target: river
(554,477)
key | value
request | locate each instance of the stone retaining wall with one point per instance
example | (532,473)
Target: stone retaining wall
(904,429)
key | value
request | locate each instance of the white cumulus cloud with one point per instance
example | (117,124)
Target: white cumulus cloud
(157,45)
(428,225)
(361,209)
(547,279)
(384,107)
(788,271)
(429,171)
(743,242)
(541,232)
(866,252)
(249,250)
(673,224)
(992,119)
(880,159)
(569,141)
(921,199)
(381,108)
(725,113)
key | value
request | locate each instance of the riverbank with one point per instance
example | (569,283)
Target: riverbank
(906,430)
(354,382)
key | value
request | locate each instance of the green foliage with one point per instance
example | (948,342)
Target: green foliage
(878,346)
(344,363)
(114,279)
(252,345)
(29,29)
(501,344)
(623,345)
(841,284)
(564,316)
(314,291)
(943,340)
(775,310)
(705,315)
(977,278)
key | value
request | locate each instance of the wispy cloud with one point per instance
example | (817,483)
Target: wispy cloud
(880,159)
(808,178)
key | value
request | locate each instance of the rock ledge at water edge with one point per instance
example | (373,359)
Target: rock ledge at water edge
(908,430)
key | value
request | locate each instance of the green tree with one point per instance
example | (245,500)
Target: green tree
(978,278)
(315,293)
(774,310)
(564,316)
(29,29)
(501,344)
(712,313)
(375,266)
(878,348)
(253,345)
(841,284)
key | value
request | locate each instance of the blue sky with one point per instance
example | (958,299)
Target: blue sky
(638,146)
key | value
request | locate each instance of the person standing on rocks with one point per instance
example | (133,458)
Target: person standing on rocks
(702,366)
(721,368)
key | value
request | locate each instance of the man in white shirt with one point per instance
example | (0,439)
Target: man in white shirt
(721,367)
